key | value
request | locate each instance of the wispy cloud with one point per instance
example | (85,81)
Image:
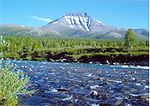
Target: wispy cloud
(41,19)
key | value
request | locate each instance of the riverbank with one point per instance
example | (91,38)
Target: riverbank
(111,56)
(75,50)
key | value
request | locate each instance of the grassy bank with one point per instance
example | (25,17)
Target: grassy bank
(72,50)
(82,55)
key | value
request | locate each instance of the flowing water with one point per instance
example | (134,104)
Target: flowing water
(76,84)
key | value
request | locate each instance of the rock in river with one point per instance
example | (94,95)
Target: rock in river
(62,89)
(93,93)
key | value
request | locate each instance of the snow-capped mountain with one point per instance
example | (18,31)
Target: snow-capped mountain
(83,25)
(77,22)
(73,25)
(81,21)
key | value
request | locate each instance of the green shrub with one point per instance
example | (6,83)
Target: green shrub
(11,84)
(11,55)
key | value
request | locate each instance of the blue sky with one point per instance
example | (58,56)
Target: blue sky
(119,13)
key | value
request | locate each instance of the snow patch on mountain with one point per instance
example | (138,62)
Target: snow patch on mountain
(78,20)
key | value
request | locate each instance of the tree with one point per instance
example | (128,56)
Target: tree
(130,39)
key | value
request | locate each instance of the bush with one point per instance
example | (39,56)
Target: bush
(11,84)
(11,55)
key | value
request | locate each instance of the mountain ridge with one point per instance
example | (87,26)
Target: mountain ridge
(77,24)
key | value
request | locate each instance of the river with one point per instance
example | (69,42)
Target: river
(77,84)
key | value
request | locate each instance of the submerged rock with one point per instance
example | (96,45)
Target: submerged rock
(62,89)
(118,103)
(104,104)
(125,81)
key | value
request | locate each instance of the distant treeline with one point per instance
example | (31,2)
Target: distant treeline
(19,43)
(73,49)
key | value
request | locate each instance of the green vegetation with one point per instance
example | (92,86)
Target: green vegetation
(130,40)
(11,84)
(46,48)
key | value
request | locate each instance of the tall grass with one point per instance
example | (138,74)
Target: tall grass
(11,84)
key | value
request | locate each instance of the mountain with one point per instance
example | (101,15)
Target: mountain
(78,21)
(142,31)
(83,25)
(73,25)
(12,29)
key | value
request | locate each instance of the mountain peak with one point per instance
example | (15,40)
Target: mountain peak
(83,14)
(79,21)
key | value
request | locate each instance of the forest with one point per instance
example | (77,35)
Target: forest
(69,49)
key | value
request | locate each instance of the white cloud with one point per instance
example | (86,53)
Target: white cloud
(41,18)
